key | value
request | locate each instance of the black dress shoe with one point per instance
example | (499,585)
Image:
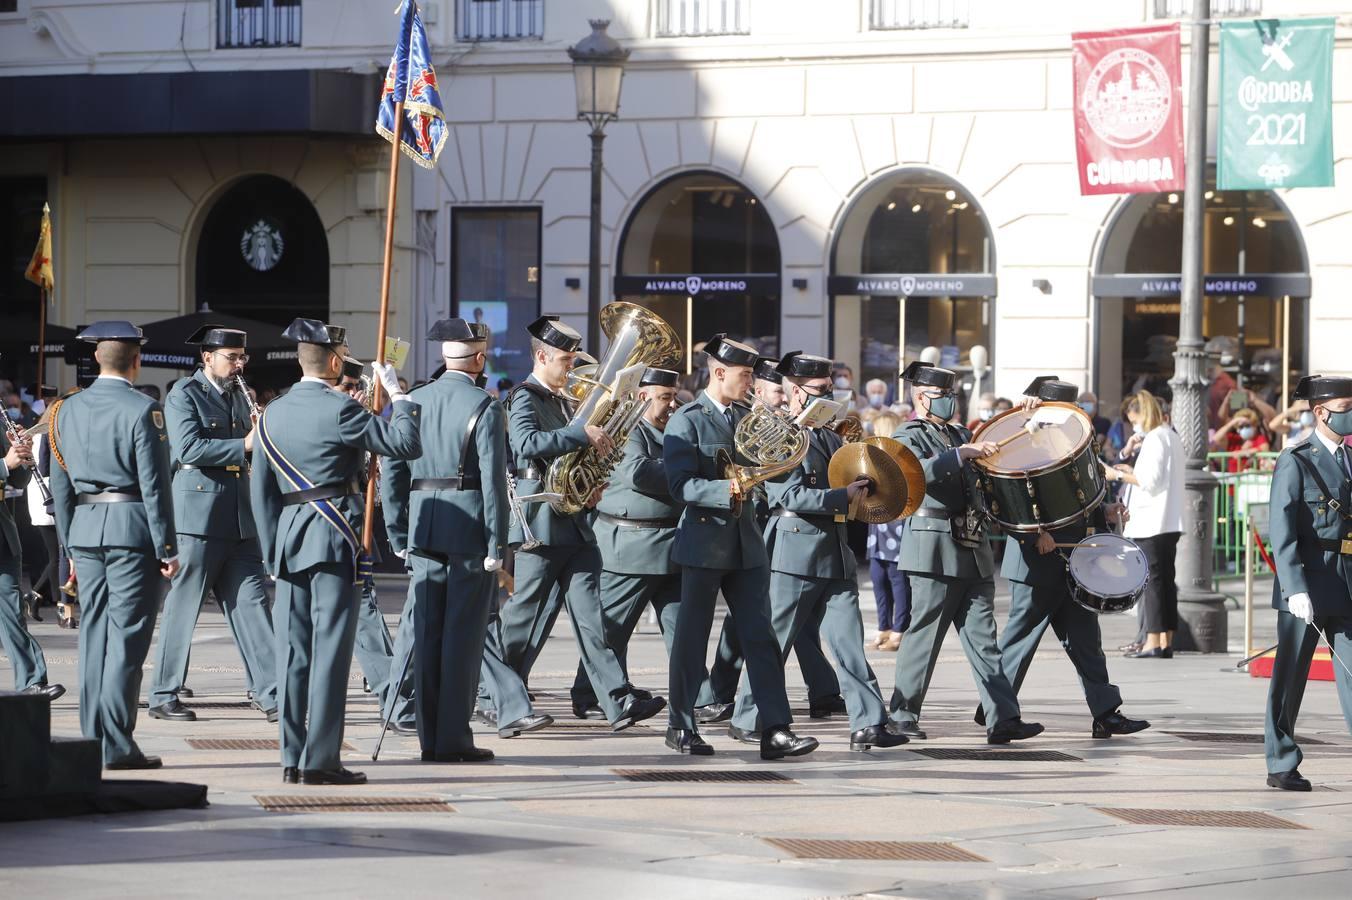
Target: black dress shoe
(640,693)
(636,710)
(1116,723)
(823,707)
(683,741)
(271,714)
(779,742)
(52,691)
(524,724)
(290,775)
(1015,729)
(979,717)
(487,716)
(746,737)
(713,713)
(473,754)
(910,729)
(184,692)
(1288,781)
(136,762)
(332,776)
(32,602)
(403,729)
(173,711)
(592,710)
(1152,653)
(876,736)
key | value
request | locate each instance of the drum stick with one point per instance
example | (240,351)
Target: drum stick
(1021,432)
(1067,545)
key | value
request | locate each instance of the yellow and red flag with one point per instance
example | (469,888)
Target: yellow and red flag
(39,269)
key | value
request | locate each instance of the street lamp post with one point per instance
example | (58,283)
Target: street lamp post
(1201,610)
(598,68)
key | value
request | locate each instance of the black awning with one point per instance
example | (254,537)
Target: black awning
(164,347)
(19,336)
(286,101)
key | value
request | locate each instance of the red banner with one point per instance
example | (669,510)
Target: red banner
(1128,110)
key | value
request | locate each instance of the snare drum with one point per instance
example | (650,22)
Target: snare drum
(1106,573)
(1044,478)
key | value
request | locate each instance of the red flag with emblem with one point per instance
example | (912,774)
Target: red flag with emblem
(39,269)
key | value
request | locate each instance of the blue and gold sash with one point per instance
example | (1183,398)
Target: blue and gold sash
(327,509)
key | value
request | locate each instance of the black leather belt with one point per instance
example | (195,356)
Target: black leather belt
(530,474)
(233,469)
(109,496)
(637,523)
(468,483)
(322,492)
(820,520)
(1334,546)
(932,512)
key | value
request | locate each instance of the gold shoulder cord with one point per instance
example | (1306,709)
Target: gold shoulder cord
(56,435)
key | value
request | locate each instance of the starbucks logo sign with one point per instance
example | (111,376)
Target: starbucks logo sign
(261,245)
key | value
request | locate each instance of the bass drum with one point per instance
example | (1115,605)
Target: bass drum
(1107,573)
(1046,473)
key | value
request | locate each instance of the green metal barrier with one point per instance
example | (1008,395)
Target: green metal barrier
(1234,493)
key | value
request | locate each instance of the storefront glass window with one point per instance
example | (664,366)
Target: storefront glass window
(495,263)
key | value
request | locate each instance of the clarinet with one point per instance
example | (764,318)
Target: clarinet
(15,435)
(254,411)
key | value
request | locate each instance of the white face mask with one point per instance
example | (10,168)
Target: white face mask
(842,383)
(876,400)
(1138,428)
(985,414)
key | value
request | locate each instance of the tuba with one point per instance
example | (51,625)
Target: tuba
(637,337)
(768,438)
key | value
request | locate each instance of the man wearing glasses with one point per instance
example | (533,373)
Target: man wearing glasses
(211,435)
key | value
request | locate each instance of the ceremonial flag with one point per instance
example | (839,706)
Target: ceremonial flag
(410,80)
(1128,110)
(39,269)
(1276,100)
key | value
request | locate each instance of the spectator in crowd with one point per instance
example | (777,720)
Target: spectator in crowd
(891,591)
(1088,402)
(1294,425)
(1223,352)
(875,394)
(982,411)
(1154,502)
(1244,437)
(1003,404)
(904,410)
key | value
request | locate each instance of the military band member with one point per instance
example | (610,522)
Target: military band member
(210,436)
(380,658)
(1041,597)
(446,514)
(950,565)
(114,513)
(635,527)
(307,502)
(812,568)
(720,549)
(540,431)
(1311,529)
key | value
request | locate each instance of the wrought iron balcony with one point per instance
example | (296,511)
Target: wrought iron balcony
(499,20)
(1182,9)
(894,15)
(702,18)
(257,23)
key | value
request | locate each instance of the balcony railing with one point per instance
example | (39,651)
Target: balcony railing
(702,18)
(257,23)
(1182,9)
(890,15)
(499,20)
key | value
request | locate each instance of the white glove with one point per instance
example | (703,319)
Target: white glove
(402,554)
(389,380)
(1299,606)
(491,564)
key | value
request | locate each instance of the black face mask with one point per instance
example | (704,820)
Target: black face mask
(812,395)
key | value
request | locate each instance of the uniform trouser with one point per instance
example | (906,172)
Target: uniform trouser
(381,659)
(1031,610)
(623,600)
(968,605)
(234,570)
(451,603)
(747,594)
(721,684)
(576,570)
(1296,643)
(316,624)
(22,648)
(832,604)
(119,594)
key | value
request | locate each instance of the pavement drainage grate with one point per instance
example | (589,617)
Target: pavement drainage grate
(212,704)
(1232,737)
(354,804)
(705,775)
(1003,755)
(926,851)
(242,744)
(1201,818)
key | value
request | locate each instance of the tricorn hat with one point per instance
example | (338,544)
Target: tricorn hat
(659,378)
(1319,388)
(767,370)
(1050,387)
(929,376)
(112,330)
(313,331)
(352,368)
(452,330)
(556,334)
(733,353)
(797,364)
(218,336)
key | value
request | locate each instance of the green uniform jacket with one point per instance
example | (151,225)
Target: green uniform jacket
(811,544)
(112,437)
(207,429)
(324,434)
(1025,565)
(442,524)
(1300,518)
(638,490)
(709,535)
(927,546)
(539,433)
(18,477)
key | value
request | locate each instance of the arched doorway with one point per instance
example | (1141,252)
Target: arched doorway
(912,268)
(263,254)
(700,250)
(1256,286)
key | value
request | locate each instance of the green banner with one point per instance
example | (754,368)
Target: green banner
(1276,104)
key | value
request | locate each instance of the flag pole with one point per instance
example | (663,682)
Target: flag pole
(368,535)
(42,342)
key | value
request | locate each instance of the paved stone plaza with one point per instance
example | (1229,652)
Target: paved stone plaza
(558,814)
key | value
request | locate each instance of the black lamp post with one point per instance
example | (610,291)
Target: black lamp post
(598,67)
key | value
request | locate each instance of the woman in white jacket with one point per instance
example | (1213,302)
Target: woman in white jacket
(1155,518)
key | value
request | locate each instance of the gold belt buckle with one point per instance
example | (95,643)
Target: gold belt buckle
(234,469)
(841,517)
(1346,548)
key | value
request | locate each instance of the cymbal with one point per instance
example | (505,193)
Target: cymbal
(910,467)
(887,497)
